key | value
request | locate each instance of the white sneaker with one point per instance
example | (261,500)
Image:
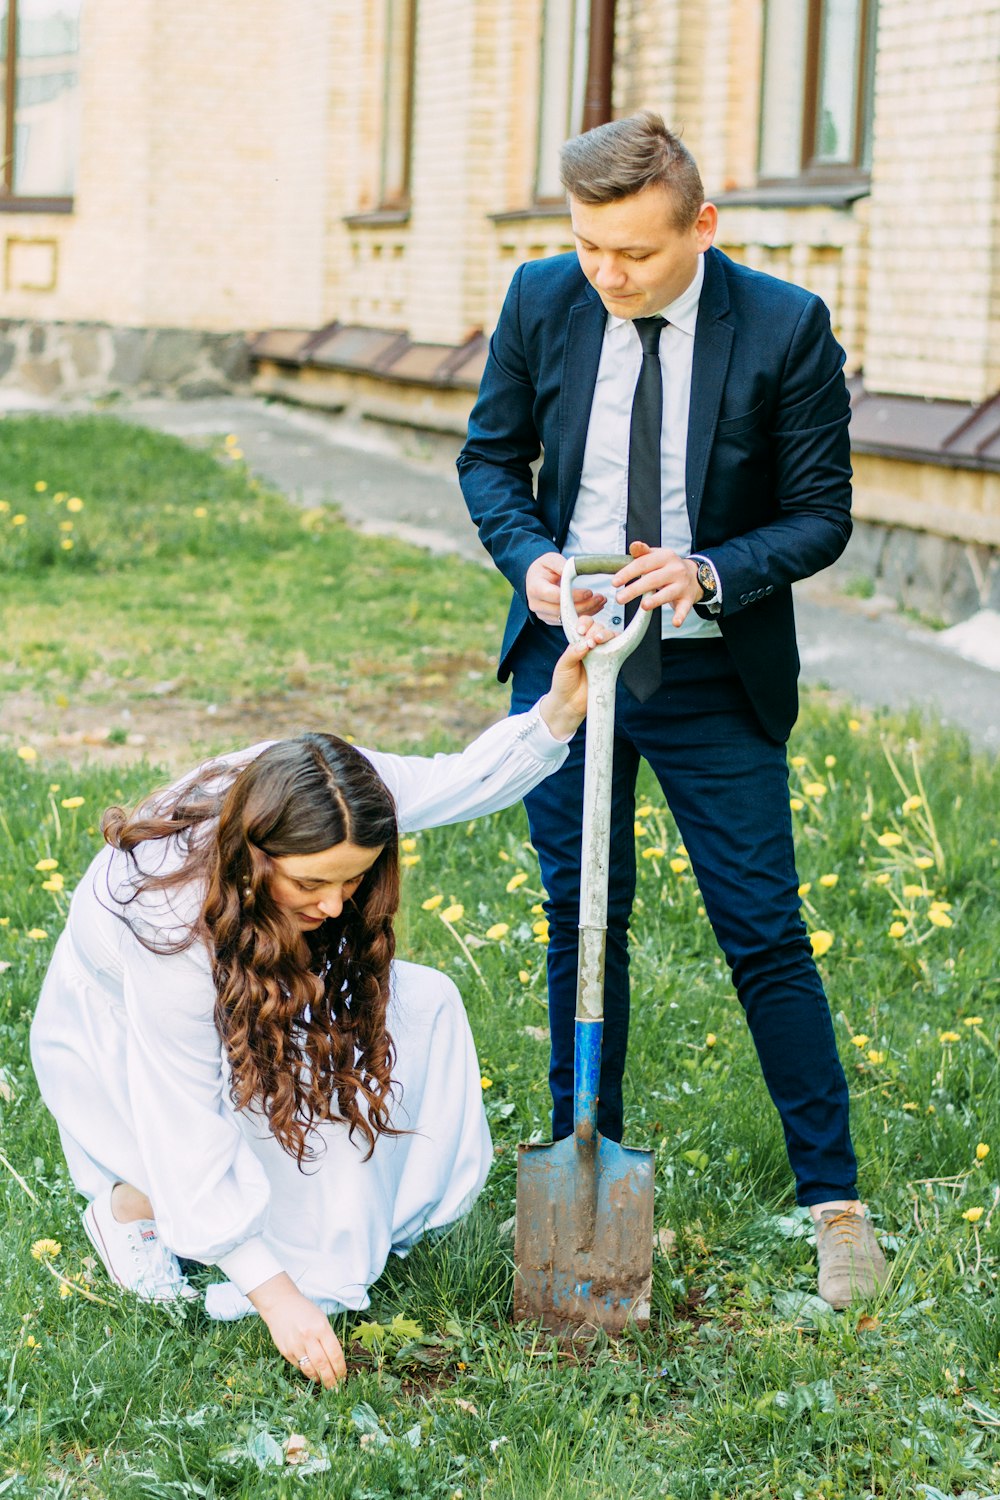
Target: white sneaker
(134,1255)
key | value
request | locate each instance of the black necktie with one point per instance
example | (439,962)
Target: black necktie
(641,672)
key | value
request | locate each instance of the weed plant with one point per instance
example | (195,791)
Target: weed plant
(744,1385)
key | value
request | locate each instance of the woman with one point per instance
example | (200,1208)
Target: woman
(240,1071)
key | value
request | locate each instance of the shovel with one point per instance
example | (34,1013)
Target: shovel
(583,1242)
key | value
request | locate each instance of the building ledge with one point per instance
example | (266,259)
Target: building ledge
(388,353)
(927,430)
(794,195)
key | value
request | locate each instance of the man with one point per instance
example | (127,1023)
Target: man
(696,413)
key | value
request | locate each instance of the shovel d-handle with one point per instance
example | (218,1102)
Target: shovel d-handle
(602,665)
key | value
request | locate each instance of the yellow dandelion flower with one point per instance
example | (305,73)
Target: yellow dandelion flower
(541,927)
(972,1021)
(644,811)
(821,942)
(889,840)
(805,887)
(53,786)
(59,497)
(638,829)
(4,507)
(861,1040)
(711,1039)
(54,883)
(678,866)
(36,934)
(231,440)
(72,802)
(407,845)
(973,1215)
(432,903)
(503,855)
(47,864)
(653,851)
(45,1249)
(911,892)
(31,1342)
(19,520)
(883,877)
(200,511)
(829,761)
(897,929)
(924,862)
(497,931)
(4,921)
(982,1151)
(875,1057)
(524,976)
(940,906)
(939,918)
(453,913)
(538,909)
(798,761)
(682,850)
(518,878)
(910,1106)
(40,486)
(65,1290)
(829,881)
(485,1083)
(912,803)
(75,504)
(27,753)
(854,725)
(67,544)
(409,860)
(235,453)
(65,525)
(815,789)
(948,1036)
(796,804)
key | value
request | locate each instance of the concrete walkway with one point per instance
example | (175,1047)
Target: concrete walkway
(859,649)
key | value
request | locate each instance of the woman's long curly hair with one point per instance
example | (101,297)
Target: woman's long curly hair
(302,1015)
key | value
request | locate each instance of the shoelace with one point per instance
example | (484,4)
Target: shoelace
(160,1271)
(845,1225)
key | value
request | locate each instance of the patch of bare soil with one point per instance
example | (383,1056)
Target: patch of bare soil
(175,731)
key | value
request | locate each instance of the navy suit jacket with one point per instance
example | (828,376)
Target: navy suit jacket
(768,454)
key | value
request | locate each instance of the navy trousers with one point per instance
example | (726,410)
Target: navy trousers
(726,784)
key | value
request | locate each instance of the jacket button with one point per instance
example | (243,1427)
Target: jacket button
(744,598)
(769,589)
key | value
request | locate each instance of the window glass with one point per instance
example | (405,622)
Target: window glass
(47,96)
(838,77)
(782,97)
(397,103)
(565,37)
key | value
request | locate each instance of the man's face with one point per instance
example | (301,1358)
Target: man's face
(634,255)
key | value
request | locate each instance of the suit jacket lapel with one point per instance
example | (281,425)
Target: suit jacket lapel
(713,342)
(581,358)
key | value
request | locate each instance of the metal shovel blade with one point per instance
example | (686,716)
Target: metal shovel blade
(583,1245)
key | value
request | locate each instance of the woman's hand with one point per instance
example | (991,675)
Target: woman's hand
(301,1332)
(541,589)
(565,704)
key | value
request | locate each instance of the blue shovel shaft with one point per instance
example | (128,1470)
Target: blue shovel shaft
(587,1078)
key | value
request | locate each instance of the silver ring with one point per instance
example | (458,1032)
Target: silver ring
(305,1360)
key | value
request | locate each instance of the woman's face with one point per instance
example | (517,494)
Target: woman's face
(312,887)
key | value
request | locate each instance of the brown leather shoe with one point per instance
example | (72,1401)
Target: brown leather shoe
(851,1265)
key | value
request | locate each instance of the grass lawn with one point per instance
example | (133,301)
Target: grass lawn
(196,611)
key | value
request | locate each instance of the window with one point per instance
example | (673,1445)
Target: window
(397,103)
(40,83)
(565,41)
(817,91)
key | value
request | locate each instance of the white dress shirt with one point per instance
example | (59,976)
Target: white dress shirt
(598,520)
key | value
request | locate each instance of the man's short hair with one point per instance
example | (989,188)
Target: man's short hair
(626,156)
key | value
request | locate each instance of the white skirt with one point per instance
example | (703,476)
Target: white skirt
(332,1225)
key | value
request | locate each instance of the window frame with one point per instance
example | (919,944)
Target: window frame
(577,61)
(394,196)
(10,201)
(812,172)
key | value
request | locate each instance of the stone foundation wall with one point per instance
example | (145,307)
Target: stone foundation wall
(94,359)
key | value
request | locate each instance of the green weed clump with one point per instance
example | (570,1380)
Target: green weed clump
(744,1385)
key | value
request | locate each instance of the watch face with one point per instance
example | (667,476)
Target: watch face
(707,579)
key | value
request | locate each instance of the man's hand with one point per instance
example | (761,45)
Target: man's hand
(541,583)
(565,704)
(301,1332)
(661,578)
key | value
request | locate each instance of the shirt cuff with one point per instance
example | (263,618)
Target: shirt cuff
(249,1265)
(538,737)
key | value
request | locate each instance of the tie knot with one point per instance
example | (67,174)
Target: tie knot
(648,330)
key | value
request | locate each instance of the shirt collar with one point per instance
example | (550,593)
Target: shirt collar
(682,313)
